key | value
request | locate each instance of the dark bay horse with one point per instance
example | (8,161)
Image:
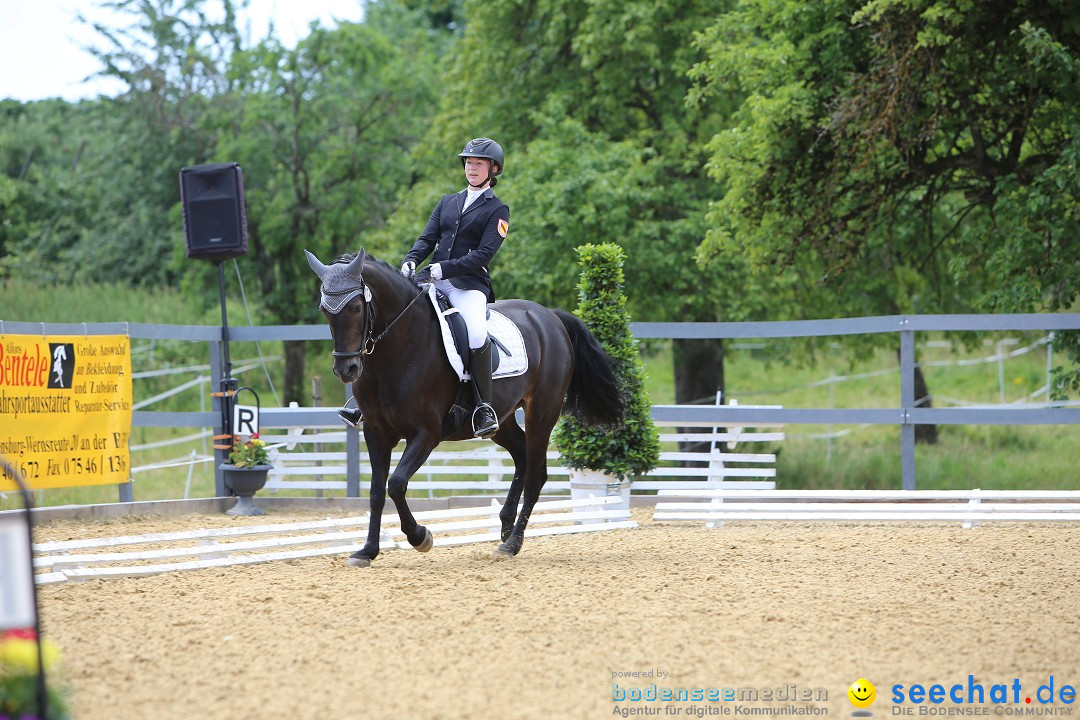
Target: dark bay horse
(387,343)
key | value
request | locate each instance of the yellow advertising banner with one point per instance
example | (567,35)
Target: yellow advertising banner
(65,409)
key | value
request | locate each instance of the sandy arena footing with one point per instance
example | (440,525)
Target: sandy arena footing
(457,633)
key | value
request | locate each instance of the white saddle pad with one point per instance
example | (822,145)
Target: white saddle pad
(501,328)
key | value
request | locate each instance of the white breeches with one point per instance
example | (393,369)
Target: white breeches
(472,304)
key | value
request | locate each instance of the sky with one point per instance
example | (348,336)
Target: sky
(41,41)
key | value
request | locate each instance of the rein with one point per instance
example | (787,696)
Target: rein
(367,345)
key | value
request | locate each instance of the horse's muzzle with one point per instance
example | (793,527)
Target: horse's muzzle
(348,369)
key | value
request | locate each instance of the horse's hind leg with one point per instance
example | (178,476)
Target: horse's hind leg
(536,444)
(512,437)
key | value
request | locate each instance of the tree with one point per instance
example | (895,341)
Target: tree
(588,99)
(49,153)
(896,155)
(98,178)
(173,57)
(632,447)
(320,131)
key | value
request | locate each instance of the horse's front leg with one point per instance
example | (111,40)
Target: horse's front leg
(512,437)
(378,449)
(417,449)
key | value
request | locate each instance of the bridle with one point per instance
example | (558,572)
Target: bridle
(367,342)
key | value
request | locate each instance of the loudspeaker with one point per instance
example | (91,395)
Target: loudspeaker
(215,221)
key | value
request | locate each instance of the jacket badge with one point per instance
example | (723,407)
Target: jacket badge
(502,228)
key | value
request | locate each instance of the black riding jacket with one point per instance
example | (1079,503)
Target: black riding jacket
(464,244)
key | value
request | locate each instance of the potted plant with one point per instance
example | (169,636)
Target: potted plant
(603,461)
(19,680)
(245,474)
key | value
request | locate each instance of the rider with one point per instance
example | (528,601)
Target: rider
(465,231)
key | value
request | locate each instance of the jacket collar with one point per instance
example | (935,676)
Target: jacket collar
(484,197)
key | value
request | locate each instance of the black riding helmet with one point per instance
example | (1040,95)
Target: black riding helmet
(485,148)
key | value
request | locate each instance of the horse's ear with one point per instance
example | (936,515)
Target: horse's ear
(356,266)
(317,266)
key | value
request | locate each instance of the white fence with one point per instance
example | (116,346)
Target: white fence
(970,507)
(319,461)
(97,558)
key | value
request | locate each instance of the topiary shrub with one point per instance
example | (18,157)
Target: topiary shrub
(632,448)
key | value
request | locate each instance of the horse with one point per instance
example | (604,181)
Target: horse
(388,345)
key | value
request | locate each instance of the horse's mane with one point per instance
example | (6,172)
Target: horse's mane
(392,275)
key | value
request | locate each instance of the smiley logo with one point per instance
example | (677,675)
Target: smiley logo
(862,693)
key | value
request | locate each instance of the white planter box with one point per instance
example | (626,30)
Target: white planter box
(586,483)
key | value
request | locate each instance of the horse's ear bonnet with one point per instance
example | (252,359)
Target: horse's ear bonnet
(340,282)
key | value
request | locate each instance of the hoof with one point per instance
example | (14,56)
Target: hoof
(427,543)
(359,560)
(504,551)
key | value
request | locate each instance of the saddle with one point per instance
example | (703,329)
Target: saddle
(459,332)
(510,357)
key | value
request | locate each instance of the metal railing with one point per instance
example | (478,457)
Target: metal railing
(906,416)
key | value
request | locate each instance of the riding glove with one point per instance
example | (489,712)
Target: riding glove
(408,268)
(436,272)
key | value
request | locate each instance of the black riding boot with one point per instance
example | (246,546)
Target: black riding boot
(484,421)
(350,416)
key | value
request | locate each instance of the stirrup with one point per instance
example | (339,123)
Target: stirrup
(350,416)
(488,421)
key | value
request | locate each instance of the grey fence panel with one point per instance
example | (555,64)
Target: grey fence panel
(792,328)
(140,331)
(280,332)
(854,326)
(147,418)
(994,416)
(204,333)
(907,399)
(982,323)
(299,417)
(706,415)
(17,327)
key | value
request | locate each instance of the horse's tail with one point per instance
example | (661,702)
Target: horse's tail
(593,396)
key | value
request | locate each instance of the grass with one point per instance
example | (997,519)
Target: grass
(868,457)
(990,457)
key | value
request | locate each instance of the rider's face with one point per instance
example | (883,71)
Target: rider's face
(477,170)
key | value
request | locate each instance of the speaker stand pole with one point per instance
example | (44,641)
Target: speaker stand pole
(226,394)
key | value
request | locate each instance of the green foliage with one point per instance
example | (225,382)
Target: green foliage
(898,155)
(587,100)
(18,697)
(94,303)
(319,132)
(557,211)
(632,448)
(816,159)
(97,178)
